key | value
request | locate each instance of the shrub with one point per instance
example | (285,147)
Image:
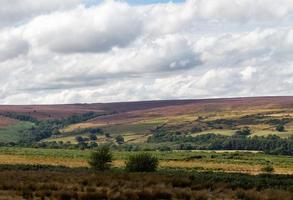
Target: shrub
(142,162)
(245,131)
(280,128)
(267,168)
(119,139)
(79,139)
(101,158)
(93,137)
(195,129)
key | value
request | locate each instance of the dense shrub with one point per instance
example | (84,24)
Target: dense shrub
(268,169)
(142,162)
(280,128)
(93,137)
(245,131)
(101,158)
(119,139)
(79,139)
(270,144)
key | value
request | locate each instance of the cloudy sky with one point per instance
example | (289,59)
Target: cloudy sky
(73,51)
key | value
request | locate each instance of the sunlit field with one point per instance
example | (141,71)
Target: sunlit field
(230,161)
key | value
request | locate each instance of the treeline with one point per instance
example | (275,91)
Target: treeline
(74,119)
(271,144)
(93,131)
(20,117)
(47,128)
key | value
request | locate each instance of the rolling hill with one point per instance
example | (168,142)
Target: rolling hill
(136,121)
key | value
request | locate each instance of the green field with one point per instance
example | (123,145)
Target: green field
(13,133)
(248,162)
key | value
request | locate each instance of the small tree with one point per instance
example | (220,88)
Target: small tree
(79,139)
(101,158)
(245,131)
(119,139)
(142,162)
(268,169)
(280,128)
(93,137)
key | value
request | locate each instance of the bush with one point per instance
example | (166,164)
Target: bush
(93,137)
(119,139)
(268,169)
(142,162)
(79,139)
(280,128)
(245,131)
(101,158)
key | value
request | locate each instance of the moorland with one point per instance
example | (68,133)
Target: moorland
(237,148)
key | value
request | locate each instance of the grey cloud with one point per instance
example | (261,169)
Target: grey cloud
(12,44)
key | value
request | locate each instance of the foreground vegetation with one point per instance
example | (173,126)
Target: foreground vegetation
(105,180)
(63,183)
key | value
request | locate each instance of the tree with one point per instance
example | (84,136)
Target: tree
(79,139)
(245,131)
(280,128)
(142,162)
(120,139)
(56,132)
(93,137)
(268,169)
(101,158)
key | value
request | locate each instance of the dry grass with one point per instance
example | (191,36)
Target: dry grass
(135,138)
(84,125)
(180,164)
(17,184)
(15,159)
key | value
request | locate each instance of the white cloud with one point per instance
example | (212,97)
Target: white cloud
(66,52)
(16,12)
(94,29)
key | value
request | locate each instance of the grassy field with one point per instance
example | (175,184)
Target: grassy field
(14,133)
(230,161)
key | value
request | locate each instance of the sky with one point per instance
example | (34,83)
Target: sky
(85,51)
(136,2)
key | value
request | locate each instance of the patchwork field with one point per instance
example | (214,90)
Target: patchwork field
(136,122)
(195,117)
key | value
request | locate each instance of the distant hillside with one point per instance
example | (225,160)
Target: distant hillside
(58,111)
(138,121)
